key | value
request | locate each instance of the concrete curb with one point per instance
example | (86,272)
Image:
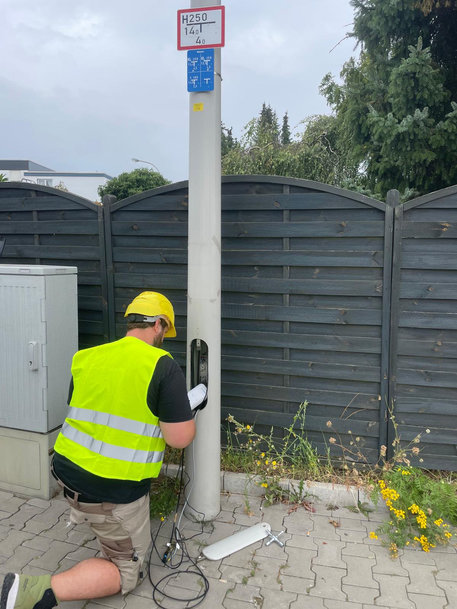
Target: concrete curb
(243,484)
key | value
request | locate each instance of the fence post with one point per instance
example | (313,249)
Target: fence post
(393,200)
(110,322)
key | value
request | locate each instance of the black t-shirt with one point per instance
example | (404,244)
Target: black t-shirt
(167,400)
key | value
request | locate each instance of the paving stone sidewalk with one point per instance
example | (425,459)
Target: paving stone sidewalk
(328,560)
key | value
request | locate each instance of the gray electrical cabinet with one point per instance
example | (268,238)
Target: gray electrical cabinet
(38,338)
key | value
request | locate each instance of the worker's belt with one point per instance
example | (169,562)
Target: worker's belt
(70,493)
(77,497)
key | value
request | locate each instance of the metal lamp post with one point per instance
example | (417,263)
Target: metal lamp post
(147,162)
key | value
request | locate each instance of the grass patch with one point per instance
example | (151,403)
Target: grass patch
(163,496)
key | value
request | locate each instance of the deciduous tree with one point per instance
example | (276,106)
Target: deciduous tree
(132,182)
(316,153)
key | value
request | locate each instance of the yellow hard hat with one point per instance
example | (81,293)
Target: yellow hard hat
(153,304)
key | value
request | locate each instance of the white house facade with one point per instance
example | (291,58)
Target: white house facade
(84,184)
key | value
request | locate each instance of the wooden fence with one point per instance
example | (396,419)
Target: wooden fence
(327,296)
(423,358)
(41,225)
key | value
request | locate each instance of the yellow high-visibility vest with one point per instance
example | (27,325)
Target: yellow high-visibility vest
(110,430)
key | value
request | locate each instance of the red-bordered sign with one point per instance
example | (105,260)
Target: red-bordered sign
(201,28)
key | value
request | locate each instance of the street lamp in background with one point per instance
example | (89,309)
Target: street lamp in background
(147,162)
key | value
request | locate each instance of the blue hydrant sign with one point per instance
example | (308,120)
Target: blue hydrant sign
(200,70)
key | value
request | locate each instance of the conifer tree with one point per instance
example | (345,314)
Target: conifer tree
(285,130)
(397,104)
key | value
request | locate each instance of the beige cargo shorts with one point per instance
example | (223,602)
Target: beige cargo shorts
(123,532)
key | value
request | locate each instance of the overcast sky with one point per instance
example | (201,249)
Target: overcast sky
(87,85)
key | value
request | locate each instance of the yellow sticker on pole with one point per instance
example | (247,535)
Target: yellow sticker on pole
(198,107)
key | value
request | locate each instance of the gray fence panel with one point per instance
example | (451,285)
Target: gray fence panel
(147,250)
(42,225)
(302,297)
(424,328)
(303,309)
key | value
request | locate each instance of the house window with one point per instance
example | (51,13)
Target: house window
(44,181)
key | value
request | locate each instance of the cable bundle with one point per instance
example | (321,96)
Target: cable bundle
(177,547)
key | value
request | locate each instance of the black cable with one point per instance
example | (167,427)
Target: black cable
(181,471)
(197,599)
(177,542)
(198,572)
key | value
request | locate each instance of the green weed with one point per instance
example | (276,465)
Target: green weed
(271,460)
(163,496)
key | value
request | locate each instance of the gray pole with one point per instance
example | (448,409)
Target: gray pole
(204,287)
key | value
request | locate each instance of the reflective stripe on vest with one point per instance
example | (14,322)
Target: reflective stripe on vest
(104,449)
(114,421)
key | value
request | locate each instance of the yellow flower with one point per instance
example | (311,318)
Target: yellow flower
(266,462)
(262,455)
(258,462)
(264,484)
(448,535)
(162,518)
(273,462)
(405,472)
(426,545)
(422,519)
(439,522)
(248,427)
(373,535)
(389,493)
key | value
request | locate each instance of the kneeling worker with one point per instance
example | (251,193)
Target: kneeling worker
(127,399)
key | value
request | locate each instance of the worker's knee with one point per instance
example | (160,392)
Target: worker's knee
(124,534)
(127,544)
(131,573)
